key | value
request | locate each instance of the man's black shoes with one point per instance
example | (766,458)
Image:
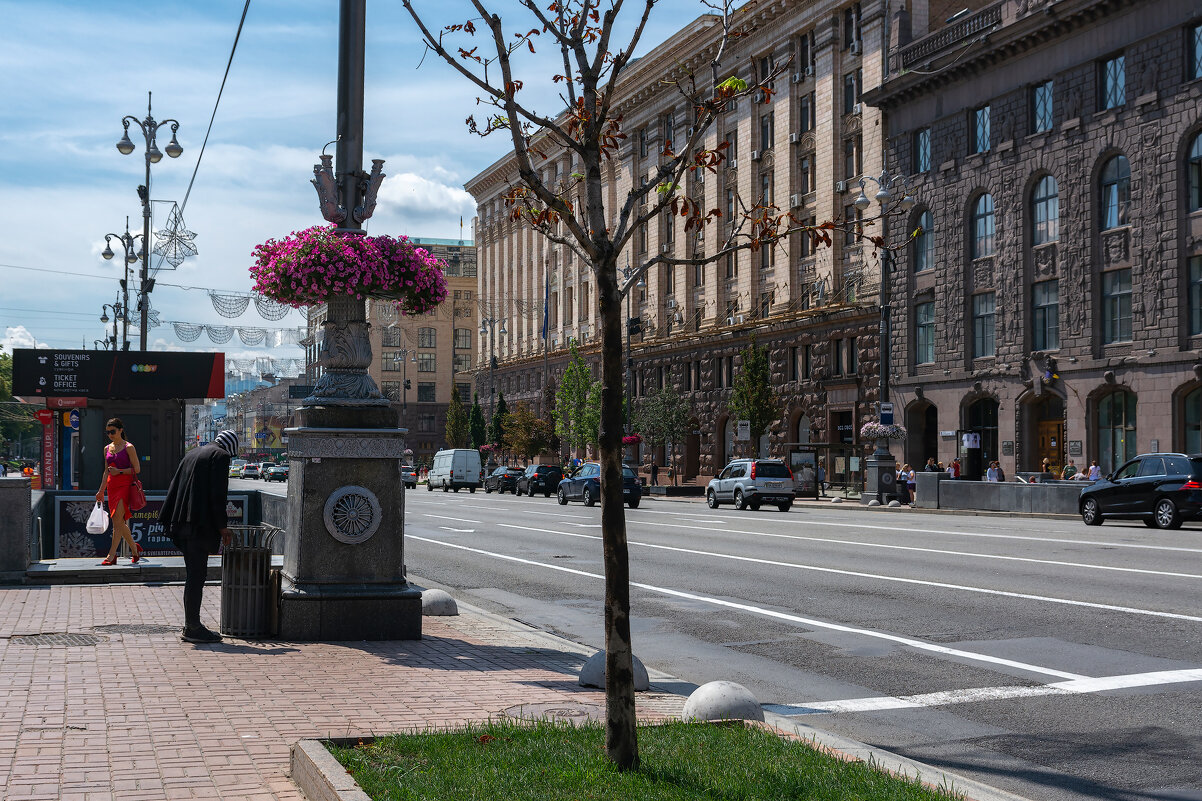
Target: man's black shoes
(200,635)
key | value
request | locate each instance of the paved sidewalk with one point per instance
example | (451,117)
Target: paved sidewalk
(124,710)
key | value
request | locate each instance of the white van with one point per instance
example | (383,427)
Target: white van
(455,469)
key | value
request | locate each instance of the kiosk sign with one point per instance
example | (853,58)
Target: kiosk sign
(71,537)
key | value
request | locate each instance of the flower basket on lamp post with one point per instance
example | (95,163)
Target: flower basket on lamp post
(880,434)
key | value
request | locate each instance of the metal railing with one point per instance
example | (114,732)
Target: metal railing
(933,44)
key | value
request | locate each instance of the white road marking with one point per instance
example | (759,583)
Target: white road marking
(981,694)
(456,519)
(581,525)
(459,530)
(880,577)
(756,610)
(1055,562)
(561,514)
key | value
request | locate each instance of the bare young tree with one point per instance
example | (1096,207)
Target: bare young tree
(571,210)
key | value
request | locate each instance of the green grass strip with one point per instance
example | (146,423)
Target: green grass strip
(547,761)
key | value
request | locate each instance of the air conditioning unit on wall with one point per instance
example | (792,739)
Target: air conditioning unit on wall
(755,155)
(794,138)
(840,186)
(856,47)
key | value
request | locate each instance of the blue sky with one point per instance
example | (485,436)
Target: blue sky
(74,69)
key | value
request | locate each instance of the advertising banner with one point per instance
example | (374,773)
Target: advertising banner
(132,375)
(71,538)
(47,419)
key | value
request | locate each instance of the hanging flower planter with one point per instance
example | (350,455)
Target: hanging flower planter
(309,267)
(632,439)
(873,431)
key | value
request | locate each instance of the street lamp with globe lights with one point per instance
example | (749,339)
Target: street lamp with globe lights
(488,326)
(893,200)
(119,315)
(128,242)
(634,325)
(149,128)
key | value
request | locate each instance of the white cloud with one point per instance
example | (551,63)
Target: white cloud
(19,337)
(410,194)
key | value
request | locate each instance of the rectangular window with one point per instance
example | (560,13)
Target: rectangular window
(426,337)
(391,338)
(765,190)
(391,362)
(465,392)
(1114,82)
(643,142)
(807,361)
(1041,107)
(669,131)
(979,138)
(805,113)
(767,130)
(391,390)
(924,333)
(922,150)
(1193,52)
(425,392)
(462,362)
(854,227)
(1045,315)
(765,304)
(425,362)
(718,373)
(425,422)
(808,247)
(805,173)
(794,363)
(851,91)
(1116,306)
(983,343)
(1195,295)
(837,357)
(463,338)
(852,163)
(853,356)
(732,265)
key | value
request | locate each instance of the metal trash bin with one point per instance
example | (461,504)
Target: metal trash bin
(247,597)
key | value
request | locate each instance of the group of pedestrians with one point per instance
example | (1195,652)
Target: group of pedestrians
(193,515)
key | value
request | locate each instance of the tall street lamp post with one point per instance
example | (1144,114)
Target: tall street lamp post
(634,325)
(488,325)
(119,314)
(398,357)
(150,129)
(128,243)
(893,201)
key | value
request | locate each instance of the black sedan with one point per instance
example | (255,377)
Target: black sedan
(503,478)
(542,478)
(276,472)
(585,485)
(1162,489)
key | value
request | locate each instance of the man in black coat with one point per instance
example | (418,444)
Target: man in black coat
(193,516)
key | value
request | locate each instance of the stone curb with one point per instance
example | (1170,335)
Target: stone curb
(313,764)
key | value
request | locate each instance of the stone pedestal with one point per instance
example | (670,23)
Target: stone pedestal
(14,527)
(344,557)
(880,476)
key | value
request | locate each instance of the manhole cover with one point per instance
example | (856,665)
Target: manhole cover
(56,640)
(564,713)
(137,628)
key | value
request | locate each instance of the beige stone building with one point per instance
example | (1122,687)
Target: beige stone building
(416,361)
(805,150)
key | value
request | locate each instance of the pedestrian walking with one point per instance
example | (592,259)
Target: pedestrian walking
(3,470)
(193,516)
(822,479)
(906,479)
(654,473)
(121,468)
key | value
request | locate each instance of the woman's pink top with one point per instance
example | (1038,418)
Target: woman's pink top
(119,484)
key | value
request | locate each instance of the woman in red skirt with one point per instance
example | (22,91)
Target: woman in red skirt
(120,471)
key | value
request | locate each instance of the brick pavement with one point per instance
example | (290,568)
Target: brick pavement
(136,714)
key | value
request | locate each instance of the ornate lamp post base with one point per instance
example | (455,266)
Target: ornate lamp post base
(880,475)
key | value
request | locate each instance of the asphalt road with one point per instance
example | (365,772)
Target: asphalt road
(1042,657)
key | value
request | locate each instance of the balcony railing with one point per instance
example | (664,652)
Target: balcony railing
(931,45)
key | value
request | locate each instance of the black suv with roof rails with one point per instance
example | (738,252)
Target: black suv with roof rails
(1162,489)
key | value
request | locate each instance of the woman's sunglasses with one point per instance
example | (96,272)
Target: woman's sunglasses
(110,431)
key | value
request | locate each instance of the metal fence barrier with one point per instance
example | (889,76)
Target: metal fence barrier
(248,592)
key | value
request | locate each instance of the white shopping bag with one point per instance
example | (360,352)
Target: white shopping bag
(98,521)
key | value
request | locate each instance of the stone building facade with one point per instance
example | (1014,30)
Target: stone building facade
(433,352)
(1053,302)
(814,308)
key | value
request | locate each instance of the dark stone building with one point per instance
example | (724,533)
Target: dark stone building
(1053,301)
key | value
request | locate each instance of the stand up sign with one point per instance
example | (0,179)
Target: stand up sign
(46,418)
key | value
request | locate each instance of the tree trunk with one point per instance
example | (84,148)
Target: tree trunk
(621,743)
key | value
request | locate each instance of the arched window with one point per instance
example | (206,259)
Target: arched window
(1116,193)
(982,227)
(1195,173)
(1193,422)
(924,243)
(1116,429)
(1045,211)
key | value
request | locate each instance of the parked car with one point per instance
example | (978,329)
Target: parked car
(1162,489)
(235,471)
(276,472)
(455,469)
(409,476)
(503,478)
(543,478)
(748,483)
(250,470)
(585,485)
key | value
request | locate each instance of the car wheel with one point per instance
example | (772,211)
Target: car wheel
(1150,522)
(563,498)
(487,490)
(711,499)
(588,497)
(740,501)
(471,490)
(546,494)
(753,506)
(1091,513)
(429,487)
(634,503)
(1167,516)
(784,506)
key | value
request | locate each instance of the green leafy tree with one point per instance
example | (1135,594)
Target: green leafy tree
(752,398)
(458,430)
(475,424)
(663,418)
(572,400)
(496,426)
(526,434)
(16,420)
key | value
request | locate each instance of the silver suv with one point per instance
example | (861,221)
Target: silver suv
(747,483)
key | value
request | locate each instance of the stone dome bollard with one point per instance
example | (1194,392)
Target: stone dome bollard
(436,603)
(593,673)
(894,504)
(722,700)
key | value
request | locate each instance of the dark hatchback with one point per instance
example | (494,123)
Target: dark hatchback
(585,485)
(542,478)
(503,478)
(1162,489)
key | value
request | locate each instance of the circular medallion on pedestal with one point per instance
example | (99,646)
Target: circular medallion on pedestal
(352,514)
